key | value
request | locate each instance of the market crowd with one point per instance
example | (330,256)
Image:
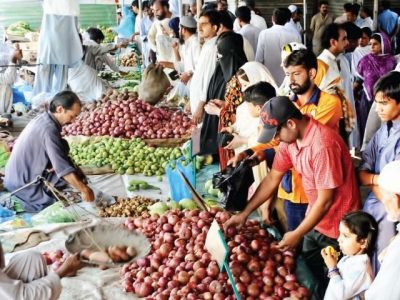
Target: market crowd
(317,119)
(304,112)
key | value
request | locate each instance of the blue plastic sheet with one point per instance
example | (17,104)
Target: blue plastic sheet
(177,186)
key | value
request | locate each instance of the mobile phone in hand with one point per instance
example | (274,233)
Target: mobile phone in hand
(174,75)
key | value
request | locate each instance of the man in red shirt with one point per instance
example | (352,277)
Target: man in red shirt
(323,161)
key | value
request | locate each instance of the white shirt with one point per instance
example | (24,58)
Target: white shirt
(138,21)
(174,7)
(331,78)
(248,49)
(355,277)
(203,72)
(189,55)
(47,287)
(7,79)
(251,33)
(367,22)
(145,25)
(347,84)
(358,53)
(100,57)
(294,27)
(270,43)
(255,20)
(159,42)
(61,7)
(84,82)
(387,282)
(155,31)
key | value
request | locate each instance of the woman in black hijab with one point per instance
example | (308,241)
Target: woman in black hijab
(231,57)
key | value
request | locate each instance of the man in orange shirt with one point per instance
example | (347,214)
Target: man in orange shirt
(301,68)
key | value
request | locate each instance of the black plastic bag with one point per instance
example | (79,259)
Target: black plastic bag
(234,184)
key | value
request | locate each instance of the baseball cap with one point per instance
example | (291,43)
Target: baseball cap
(273,114)
(188,22)
(388,178)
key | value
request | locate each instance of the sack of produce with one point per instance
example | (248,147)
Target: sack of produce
(234,183)
(154,84)
(177,186)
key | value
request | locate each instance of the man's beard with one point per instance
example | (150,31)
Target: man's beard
(161,17)
(299,90)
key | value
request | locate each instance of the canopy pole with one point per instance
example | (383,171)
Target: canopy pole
(305,22)
(198,2)
(375,23)
(180,9)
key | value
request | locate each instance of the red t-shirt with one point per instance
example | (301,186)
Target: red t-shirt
(323,162)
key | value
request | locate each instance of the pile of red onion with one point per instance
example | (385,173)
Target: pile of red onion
(130,118)
(179,266)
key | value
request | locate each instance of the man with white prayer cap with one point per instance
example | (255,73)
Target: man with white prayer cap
(386,283)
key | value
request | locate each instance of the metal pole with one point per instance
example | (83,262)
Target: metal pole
(198,2)
(305,22)
(180,8)
(375,23)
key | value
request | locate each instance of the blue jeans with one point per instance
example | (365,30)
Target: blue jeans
(295,213)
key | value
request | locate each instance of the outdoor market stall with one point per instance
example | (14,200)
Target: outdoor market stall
(134,154)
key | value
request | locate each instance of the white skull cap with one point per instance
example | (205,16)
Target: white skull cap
(389,177)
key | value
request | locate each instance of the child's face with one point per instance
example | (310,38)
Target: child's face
(348,242)
(387,108)
(254,110)
(364,40)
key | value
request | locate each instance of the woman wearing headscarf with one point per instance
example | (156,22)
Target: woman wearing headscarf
(235,111)
(370,68)
(126,27)
(173,24)
(224,88)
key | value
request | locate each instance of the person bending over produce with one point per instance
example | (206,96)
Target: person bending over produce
(26,277)
(40,150)
(321,157)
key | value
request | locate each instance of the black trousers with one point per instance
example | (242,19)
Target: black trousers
(313,243)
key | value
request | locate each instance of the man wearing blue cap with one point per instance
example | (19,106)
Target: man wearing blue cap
(321,157)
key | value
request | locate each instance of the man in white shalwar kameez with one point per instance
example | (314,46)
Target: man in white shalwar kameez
(190,49)
(157,30)
(189,53)
(208,27)
(26,277)
(145,26)
(59,45)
